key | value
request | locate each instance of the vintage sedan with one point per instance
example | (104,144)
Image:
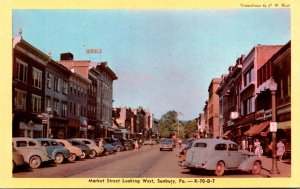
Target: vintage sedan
(17,158)
(96,150)
(55,150)
(86,151)
(220,155)
(166,144)
(31,150)
(75,151)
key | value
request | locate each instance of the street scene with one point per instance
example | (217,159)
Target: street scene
(151,94)
(148,162)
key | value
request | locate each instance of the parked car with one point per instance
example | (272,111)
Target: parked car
(116,144)
(220,155)
(86,151)
(32,151)
(166,144)
(108,149)
(149,142)
(17,158)
(128,144)
(74,151)
(55,150)
(96,150)
(186,146)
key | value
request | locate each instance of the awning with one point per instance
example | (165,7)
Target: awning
(257,129)
(226,133)
(284,125)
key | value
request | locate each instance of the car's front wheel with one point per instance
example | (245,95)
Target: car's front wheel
(256,168)
(59,158)
(220,168)
(35,162)
(72,157)
(83,155)
(93,154)
(118,149)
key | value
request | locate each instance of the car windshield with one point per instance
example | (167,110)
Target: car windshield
(166,141)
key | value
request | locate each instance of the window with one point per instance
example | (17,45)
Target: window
(49,80)
(71,107)
(22,69)
(31,143)
(56,84)
(71,87)
(64,109)
(65,87)
(20,100)
(21,143)
(233,147)
(247,106)
(200,145)
(249,77)
(56,106)
(220,147)
(36,103)
(48,102)
(37,78)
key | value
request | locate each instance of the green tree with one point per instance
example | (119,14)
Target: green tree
(167,124)
(189,128)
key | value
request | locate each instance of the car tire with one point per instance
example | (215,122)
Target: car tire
(59,158)
(220,168)
(118,149)
(256,168)
(35,162)
(83,155)
(93,154)
(72,157)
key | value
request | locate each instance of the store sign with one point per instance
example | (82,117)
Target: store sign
(273,126)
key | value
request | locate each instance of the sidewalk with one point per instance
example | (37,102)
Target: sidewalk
(284,167)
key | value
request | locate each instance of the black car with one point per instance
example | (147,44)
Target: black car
(128,144)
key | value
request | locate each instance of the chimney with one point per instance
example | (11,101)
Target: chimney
(66,56)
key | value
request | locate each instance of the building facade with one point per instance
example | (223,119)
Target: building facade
(213,109)
(28,89)
(56,98)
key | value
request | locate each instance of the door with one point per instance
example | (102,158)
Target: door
(234,156)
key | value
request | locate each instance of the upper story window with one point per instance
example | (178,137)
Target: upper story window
(49,80)
(36,103)
(22,70)
(249,77)
(37,78)
(56,84)
(65,87)
(20,100)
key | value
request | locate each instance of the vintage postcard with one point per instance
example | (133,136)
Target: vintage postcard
(149,94)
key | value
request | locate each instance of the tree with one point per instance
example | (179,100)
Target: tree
(189,128)
(167,124)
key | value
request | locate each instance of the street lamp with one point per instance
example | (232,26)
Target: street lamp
(273,88)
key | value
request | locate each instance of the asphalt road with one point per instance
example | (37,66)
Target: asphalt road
(148,162)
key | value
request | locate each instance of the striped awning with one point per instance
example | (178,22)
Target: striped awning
(257,129)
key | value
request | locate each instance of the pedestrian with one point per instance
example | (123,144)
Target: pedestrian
(101,144)
(136,145)
(243,144)
(280,149)
(258,149)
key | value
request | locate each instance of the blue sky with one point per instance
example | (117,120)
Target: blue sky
(165,59)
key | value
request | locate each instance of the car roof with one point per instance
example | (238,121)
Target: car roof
(214,141)
(22,138)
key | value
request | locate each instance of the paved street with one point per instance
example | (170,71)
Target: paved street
(148,162)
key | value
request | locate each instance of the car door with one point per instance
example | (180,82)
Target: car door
(220,152)
(22,147)
(234,156)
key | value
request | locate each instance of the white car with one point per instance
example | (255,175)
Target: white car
(74,151)
(96,150)
(34,154)
(220,155)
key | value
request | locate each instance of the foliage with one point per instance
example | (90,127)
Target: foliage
(169,125)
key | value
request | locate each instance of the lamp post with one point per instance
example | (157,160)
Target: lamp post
(273,88)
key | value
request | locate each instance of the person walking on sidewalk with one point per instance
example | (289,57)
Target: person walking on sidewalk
(280,150)
(258,149)
(136,145)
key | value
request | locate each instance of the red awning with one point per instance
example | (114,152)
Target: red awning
(257,129)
